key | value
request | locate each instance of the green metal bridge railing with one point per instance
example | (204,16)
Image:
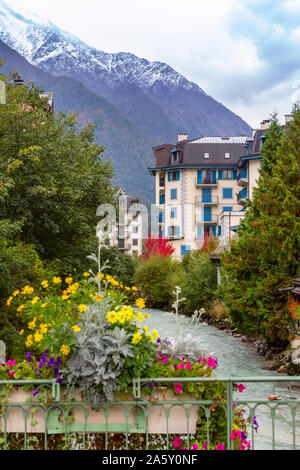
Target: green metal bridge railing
(34,423)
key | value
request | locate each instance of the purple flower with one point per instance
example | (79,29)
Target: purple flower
(35,392)
(255,423)
(28,356)
(150,385)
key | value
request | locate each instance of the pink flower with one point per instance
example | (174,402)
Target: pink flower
(188,366)
(183,358)
(165,360)
(195,447)
(201,359)
(181,366)
(12,374)
(11,363)
(177,442)
(220,446)
(235,434)
(204,445)
(241,387)
(178,387)
(211,362)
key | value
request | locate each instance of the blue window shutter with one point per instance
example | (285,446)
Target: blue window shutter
(207,214)
(227,208)
(234,175)
(206,194)
(169,231)
(214,231)
(177,230)
(182,250)
(199,176)
(177,175)
(244,173)
(162,199)
(173,193)
(214,179)
(227,193)
(219,230)
(220,174)
(169,176)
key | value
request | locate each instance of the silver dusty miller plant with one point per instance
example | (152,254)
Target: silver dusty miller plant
(184,343)
(100,351)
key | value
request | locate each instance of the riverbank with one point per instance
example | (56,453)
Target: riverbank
(282,361)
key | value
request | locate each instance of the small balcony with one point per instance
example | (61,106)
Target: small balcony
(242,178)
(209,219)
(206,182)
(242,197)
(207,200)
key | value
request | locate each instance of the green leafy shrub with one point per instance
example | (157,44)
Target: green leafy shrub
(198,282)
(157,277)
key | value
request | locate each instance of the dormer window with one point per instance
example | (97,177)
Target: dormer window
(227,155)
(175,156)
(206,155)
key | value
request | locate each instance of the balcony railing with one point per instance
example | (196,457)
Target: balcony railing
(242,179)
(242,197)
(208,181)
(272,423)
(207,200)
(211,219)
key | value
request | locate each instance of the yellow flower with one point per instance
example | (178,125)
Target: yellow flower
(155,334)
(20,308)
(65,350)
(136,338)
(65,297)
(28,341)
(82,308)
(35,300)
(45,284)
(146,329)
(134,288)
(112,317)
(31,325)
(138,356)
(139,317)
(98,298)
(43,328)
(56,280)
(21,332)
(150,338)
(69,280)
(85,274)
(9,300)
(15,293)
(127,288)
(140,303)
(44,305)
(76,328)
(27,290)
(38,337)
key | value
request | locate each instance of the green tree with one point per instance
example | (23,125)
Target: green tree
(266,255)
(52,178)
(199,280)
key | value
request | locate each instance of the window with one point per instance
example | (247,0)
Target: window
(135,241)
(219,230)
(227,175)
(162,199)
(174,157)
(173,212)
(185,249)
(160,217)
(227,155)
(135,229)
(174,231)
(173,175)
(227,208)
(206,155)
(227,193)
(173,194)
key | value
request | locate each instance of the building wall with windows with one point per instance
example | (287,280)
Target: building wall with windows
(194,189)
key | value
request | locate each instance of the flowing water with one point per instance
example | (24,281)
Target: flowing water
(239,359)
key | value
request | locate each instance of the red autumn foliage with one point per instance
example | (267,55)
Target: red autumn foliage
(157,246)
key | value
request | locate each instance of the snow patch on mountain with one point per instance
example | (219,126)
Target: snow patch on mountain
(58,52)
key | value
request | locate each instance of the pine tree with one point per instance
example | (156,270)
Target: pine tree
(266,255)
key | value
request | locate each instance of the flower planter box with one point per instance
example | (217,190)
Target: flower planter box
(159,413)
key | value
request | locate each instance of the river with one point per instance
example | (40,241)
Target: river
(239,359)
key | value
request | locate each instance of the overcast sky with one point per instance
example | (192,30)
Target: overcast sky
(244,53)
